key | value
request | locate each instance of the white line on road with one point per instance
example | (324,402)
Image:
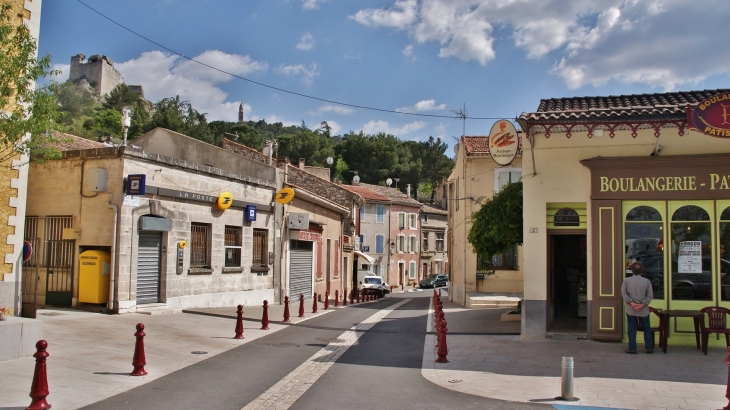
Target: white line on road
(292,386)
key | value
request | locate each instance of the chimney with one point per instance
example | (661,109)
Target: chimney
(301,164)
(408,190)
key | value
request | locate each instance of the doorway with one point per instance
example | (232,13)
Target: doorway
(401,273)
(568,290)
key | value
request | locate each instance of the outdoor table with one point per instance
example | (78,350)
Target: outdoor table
(699,321)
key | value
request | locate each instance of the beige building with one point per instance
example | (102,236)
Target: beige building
(202,234)
(612,180)
(434,255)
(475,179)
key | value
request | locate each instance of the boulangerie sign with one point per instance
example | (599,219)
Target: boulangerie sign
(503,142)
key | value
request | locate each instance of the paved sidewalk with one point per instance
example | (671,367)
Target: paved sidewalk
(508,368)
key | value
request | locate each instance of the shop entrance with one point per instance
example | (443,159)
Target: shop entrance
(567,283)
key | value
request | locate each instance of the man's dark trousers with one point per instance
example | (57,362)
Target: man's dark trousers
(648,334)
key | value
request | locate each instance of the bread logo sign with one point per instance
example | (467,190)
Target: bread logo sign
(503,142)
(712,116)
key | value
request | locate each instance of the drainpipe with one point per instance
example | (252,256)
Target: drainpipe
(113,274)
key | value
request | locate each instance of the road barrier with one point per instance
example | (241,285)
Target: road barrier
(239,323)
(337,298)
(301,305)
(441,335)
(39,387)
(344,297)
(286,309)
(138,360)
(566,380)
(265,316)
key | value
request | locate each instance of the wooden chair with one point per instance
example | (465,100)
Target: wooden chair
(716,323)
(660,328)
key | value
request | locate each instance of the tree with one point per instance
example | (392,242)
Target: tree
(106,122)
(180,116)
(497,226)
(74,102)
(120,97)
(436,166)
(25,109)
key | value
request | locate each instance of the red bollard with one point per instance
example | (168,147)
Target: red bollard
(344,297)
(301,305)
(364,296)
(239,323)
(138,361)
(326,300)
(357,294)
(39,387)
(337,297)
(286,309)
(442,350)
(727,392)
(314,304)
(265,316)
(401,287)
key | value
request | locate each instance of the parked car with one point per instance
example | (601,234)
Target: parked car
(699,285)
(434,280)
(374,282)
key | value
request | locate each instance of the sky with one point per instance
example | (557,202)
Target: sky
(491,58)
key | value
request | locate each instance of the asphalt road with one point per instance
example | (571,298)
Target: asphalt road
(382,369)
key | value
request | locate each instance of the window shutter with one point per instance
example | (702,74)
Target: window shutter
(337,257)
(319,260)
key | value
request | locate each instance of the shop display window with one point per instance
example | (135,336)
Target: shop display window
(691,254)
(644,243)
(724,251)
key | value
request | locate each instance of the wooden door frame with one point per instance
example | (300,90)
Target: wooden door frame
(550,277)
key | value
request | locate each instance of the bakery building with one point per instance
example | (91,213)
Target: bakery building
(612,180)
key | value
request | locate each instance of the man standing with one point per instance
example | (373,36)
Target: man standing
(637,293)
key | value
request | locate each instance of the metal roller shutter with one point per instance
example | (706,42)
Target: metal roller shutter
(148,268)
(300,269)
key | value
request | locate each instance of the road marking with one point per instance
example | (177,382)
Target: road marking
(292,386)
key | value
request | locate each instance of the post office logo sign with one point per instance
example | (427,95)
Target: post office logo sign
(503,142)
(225,200)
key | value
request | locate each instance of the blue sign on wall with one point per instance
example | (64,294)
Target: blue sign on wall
(250,213)
(136,184)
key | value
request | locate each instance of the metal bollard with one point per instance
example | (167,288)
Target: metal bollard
(138,360)
(314,303)
(337,297)
(727,391)
(239,322)
(286,309)
(566,381)
(265,316)
(39,387)
(301,305)
(326,300)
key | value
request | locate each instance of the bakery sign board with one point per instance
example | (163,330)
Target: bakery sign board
(503,142)
(712,116)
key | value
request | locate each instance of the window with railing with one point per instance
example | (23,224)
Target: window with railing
(260,260)
(200,246)
(440,242)
(233,241)
(424,246)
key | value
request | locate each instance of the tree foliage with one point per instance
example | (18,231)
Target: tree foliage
(180,116)
(497,226)
(26,110)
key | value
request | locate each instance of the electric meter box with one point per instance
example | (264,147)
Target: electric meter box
(94,272)
(96,180)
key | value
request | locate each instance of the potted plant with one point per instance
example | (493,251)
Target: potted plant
(5,311)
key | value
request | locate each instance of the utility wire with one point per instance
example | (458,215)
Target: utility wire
(281,89)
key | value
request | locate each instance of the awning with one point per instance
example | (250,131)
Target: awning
(370,260)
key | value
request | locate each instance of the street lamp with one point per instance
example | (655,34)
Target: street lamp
(126,121)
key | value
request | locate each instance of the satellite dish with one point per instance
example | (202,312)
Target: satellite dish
(330,161)
(389,182)
(456,148)
(356,179)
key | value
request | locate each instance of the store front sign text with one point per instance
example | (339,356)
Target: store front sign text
(669,183)
(712,116)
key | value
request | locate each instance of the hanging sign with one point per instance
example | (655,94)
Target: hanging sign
(284,196)
(503,142)
(136,184)
(225,200)
(690,257)
(712,116)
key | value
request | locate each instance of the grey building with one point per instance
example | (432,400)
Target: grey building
(434,255)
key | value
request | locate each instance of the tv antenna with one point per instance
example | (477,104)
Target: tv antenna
(463,113)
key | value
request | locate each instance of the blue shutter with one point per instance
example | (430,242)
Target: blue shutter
(379,244)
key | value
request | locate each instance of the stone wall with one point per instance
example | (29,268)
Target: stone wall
(99,71)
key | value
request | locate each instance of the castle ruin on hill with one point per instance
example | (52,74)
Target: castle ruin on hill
(99,73)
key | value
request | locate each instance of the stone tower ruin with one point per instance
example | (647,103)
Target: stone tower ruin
(98,71)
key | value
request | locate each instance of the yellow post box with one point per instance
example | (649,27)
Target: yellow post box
(94,276)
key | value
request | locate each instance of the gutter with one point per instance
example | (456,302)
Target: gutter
(115,272)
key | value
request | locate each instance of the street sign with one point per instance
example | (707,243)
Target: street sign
(27,251)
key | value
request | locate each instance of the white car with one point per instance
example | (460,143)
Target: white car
(374,282)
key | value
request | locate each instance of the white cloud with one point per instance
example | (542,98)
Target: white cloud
(353,56)
(307,42)
(408,51)
(337,109)
(307,73)
(335,127)
(593,42)
(311,4)
(374,127)
(272,118)
(440,130)
(62,77)
(163,75)
(423,105)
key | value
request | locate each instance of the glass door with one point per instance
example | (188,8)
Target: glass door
(722,263)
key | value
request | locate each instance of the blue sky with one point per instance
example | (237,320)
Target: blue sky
(498,57)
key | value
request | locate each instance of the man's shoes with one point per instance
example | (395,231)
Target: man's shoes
(649,351)
(629,351)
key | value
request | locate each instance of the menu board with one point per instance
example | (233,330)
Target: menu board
(690,257)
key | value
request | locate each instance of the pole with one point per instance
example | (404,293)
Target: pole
(566,380)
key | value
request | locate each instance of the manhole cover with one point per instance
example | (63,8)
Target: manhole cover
(52,314)
(199,352)
(280,344)
(330,340)
(455,381)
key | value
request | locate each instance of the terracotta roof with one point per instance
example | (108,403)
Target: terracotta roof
(73,143)
(393,194)
(433,210)
(479,145)
(663,104)
(366,193)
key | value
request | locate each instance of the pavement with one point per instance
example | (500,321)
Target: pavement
(487,358)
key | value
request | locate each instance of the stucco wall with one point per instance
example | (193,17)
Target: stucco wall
(404,258)
(371,228)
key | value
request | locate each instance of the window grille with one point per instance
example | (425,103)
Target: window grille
(31,235)
(425,241)
(260,251)
(440,242)
(199,245)
(233,242)
(53,227)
